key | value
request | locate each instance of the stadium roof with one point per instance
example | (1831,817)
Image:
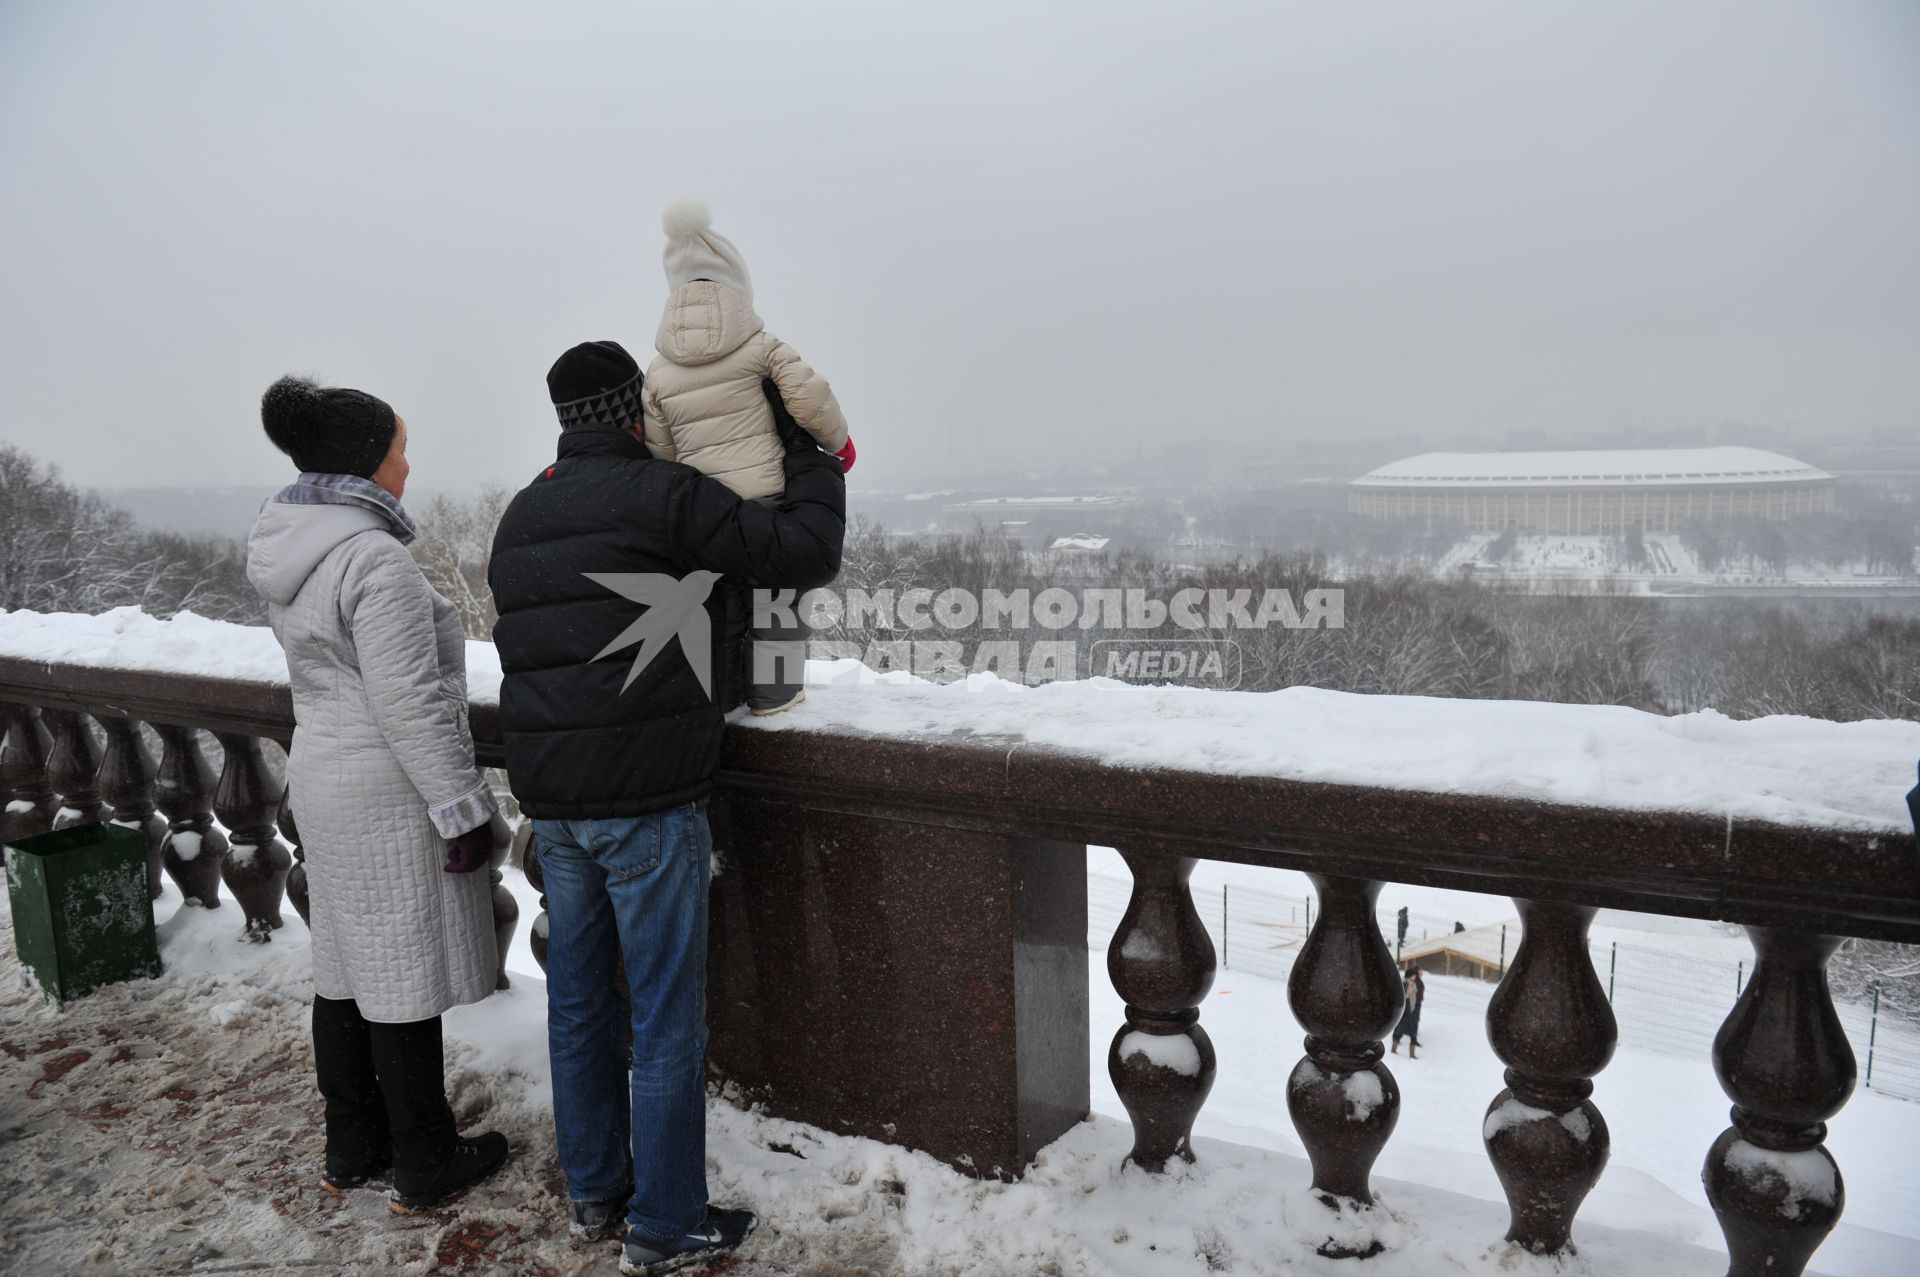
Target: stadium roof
(985,503)
(1680,467)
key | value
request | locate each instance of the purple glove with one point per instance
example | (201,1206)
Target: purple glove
(471,850)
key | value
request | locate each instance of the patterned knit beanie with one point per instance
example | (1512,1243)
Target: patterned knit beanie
(596,385)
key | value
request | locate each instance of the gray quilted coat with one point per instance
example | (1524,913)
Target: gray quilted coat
(382,771)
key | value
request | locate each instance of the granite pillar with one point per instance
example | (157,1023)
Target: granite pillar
(912,983)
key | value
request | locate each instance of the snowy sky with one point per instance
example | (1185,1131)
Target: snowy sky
(1042,231)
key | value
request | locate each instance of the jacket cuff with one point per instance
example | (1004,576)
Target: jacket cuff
(469,811)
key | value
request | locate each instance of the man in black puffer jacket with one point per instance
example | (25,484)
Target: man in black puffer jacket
(620,585)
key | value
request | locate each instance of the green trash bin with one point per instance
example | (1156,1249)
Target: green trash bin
(82,917)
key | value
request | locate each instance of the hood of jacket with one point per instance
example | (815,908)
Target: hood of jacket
(302,523)
(704,321)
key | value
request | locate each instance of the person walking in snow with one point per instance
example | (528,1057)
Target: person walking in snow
(1913,808)
(395,818)
(704,407)
(616,643)
(1409,1026)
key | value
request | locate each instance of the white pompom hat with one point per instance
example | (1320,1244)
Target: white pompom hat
(696,251)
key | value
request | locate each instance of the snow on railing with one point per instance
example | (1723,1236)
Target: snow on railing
(1786,769)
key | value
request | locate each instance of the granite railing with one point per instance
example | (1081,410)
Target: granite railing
(898,940)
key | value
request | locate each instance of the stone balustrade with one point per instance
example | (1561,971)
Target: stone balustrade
(898,939)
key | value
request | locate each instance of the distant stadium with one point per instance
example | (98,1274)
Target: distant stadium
(1592,493)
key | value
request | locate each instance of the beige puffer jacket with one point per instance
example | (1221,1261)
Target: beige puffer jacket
(703,401)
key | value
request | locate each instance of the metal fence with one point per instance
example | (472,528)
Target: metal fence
(1667,1002)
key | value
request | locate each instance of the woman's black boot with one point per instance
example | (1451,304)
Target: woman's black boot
(469,1162)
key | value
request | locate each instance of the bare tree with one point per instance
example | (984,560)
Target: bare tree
(453,548)
(63,550)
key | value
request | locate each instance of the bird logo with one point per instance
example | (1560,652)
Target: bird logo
(676,608)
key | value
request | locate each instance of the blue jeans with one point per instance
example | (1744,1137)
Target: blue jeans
(634,887)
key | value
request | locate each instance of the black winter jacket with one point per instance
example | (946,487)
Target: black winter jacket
(579,746)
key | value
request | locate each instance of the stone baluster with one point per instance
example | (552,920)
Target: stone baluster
(1551,1024)
(194,848)
(527,851)
(1161,962)
(30,805)
(1783,1059)
(256,865)
(1345,992)
(297,875)
(506,910)
(127,774)
(74,768)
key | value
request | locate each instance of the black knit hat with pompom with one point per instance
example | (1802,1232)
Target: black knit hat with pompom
(327,429)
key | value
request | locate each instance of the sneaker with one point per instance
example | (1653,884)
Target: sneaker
(337,1179)
(469,1162)
(719,1232)
(597,1221)
(761,711)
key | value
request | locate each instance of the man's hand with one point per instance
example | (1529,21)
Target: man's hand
(792,436)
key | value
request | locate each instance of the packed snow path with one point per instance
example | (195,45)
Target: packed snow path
(171,1126)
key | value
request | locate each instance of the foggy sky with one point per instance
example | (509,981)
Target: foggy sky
(1029,231)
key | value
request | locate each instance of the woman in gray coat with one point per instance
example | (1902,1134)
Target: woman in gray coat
(394,816)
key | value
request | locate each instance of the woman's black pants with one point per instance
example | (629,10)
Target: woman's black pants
(385,1091)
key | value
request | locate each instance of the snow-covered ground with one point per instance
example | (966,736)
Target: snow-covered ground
(833,1204)
(1662,1104)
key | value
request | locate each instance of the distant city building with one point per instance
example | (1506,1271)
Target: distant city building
(1591,493)
(1013,514)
